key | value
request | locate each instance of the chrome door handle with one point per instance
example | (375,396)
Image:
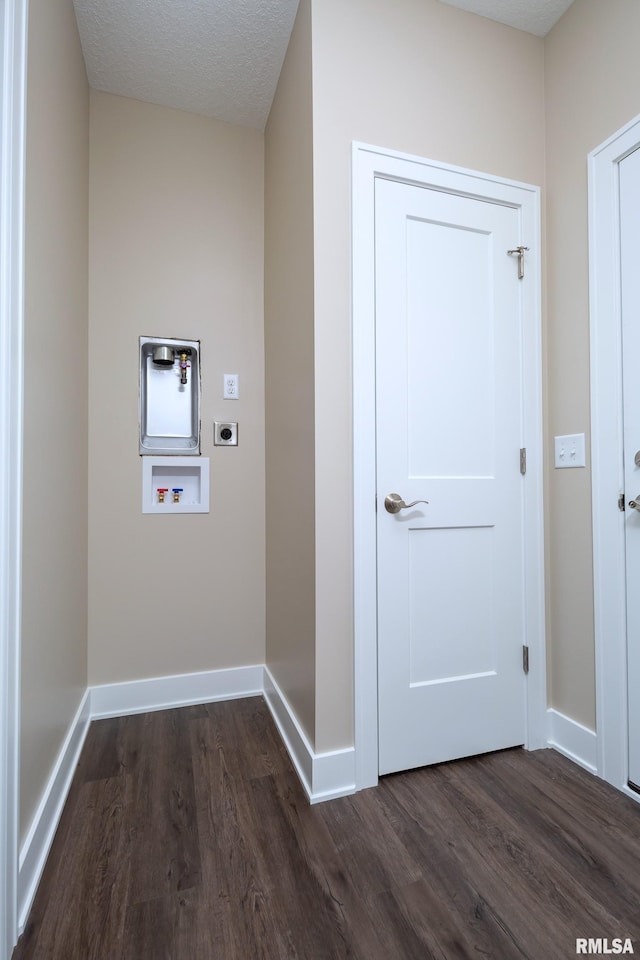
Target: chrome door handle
(393,503)
(635,504)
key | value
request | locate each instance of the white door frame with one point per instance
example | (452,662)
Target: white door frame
(13,109)
(368,162)
(609,565)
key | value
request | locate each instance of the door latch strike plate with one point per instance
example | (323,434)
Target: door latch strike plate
(523,460)
(621,502)
(525,658)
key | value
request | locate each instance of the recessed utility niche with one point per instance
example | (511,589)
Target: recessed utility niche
(175,485)
(169,407)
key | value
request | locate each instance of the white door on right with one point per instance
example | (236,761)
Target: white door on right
(630,284)
(450,368)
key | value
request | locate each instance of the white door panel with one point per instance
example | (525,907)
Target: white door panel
(468,622)
(630,282)
(449,430)
(449,358)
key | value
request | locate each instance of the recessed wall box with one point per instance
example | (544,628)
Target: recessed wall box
(175,485)
(169,405)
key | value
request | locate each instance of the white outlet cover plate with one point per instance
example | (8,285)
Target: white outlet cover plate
(231,386)
(569,451)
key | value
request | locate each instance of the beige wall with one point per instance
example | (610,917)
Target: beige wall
(54,610)
(176,250)
(592,89)
(176,230)
(415,76)
(289,379)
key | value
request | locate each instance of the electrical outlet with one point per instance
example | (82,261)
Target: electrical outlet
(231,388)
(225,434)
(569,451)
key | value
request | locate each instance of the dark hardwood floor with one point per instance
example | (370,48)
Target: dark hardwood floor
(186,836)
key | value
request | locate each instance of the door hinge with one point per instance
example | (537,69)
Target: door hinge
(525,658)
(523,460)
(519,252)
(621,502)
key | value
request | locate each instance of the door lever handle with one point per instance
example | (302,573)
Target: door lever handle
(393,503)
(635,504)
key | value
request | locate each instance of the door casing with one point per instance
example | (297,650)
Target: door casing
(13,62)
(607,479)
(369,162)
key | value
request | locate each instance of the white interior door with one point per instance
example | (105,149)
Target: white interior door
(449,389)
(630,278)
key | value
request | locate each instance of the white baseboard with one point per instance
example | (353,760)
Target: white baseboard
(334,774)
(165,693)
(324,776)
(293,736)
(37,844)
(572,740)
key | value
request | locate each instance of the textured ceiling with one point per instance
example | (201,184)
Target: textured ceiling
(220,58)
(534,16)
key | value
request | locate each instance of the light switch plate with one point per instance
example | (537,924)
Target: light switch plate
(570,451)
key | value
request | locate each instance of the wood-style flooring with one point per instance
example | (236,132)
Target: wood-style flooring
(186,836)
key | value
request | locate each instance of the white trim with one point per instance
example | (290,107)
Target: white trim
(13,62)
(166,693)
(572,740)
(609,567)
(367,163)
(334,774)
(37,843)
(293,736)
(324,776)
